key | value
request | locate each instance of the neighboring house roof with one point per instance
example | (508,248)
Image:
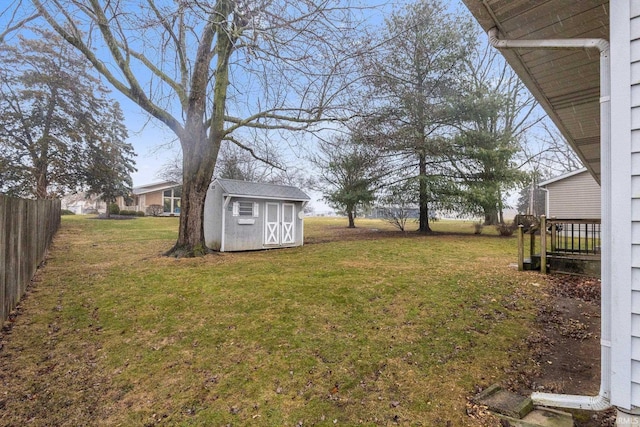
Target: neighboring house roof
(158,186)
(562,177)
(566,82)
(258,190)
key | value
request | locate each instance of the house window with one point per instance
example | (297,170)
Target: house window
(171,200)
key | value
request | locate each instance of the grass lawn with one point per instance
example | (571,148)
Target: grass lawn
(367,326)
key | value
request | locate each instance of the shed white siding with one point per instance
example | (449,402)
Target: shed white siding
(634,31)
(214,213)
(575,197)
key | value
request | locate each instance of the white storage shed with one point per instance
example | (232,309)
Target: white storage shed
(245,216)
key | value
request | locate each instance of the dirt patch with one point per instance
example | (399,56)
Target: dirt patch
(565,348)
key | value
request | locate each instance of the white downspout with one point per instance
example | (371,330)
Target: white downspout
(601,401)
(546,201)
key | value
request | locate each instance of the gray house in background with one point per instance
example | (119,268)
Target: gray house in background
(575,195)
(245,216)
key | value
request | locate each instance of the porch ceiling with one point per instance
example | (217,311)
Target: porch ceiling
(565,82)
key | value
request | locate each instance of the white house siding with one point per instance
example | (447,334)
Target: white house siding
(576,197)
(621,268)
(635,201)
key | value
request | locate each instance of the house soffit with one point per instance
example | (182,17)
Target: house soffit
(565,82)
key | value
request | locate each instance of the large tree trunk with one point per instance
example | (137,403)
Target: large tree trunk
(424,196)
(199,150)
(196,177)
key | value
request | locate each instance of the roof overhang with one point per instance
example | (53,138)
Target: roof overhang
(158,186)
(566,82)
(561,177)
(259,197)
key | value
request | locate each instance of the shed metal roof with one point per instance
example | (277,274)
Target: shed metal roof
(565,82)
(259,190)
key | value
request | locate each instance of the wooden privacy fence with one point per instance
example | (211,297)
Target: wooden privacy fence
(26,230)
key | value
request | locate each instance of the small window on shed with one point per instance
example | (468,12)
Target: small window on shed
(245,208)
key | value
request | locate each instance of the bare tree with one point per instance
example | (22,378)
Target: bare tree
(399,202)
(213,70)
(15,16)
(547,154)
(236,163)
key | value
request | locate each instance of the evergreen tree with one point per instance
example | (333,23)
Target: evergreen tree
(110,160)
(413,72)
(52,110)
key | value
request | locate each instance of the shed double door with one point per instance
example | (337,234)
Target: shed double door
(280,224)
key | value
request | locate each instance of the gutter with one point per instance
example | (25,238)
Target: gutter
(601,401)
(546,201)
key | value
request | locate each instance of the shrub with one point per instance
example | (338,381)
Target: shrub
(114,209)
(127,213)
(528,222)
(506,228)
(155,210)
(67,212)
(139,213)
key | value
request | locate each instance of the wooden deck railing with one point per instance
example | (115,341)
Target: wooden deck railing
(575,236)
(559,237)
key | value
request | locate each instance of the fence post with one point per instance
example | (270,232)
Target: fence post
(520,247)
(4,242)
(543,244)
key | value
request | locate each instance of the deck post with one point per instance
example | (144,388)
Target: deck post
(520,247)
(532,243)
(543,244)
